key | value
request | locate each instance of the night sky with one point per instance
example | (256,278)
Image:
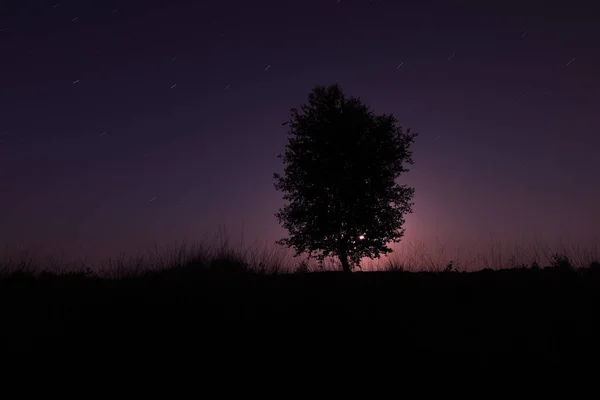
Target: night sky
(129,123)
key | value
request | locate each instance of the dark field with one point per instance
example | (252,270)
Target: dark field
(544,315)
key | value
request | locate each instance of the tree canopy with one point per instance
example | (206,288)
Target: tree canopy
(341,166)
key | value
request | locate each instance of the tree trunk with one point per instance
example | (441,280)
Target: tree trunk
(345,265)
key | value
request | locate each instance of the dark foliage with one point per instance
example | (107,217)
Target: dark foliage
(561,261)
(341,166)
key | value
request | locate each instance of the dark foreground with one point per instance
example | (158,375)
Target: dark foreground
(541,316)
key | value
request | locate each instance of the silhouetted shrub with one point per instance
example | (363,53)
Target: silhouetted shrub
(302,268)
(561,261)
(394,267)
(449,267)
(262,268)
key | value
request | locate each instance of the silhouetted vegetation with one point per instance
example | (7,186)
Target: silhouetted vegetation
(521,312)
(340,179)
(340,170)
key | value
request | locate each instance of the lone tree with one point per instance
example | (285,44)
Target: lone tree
(340,169)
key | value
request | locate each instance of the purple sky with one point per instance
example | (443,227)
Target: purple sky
(128,122)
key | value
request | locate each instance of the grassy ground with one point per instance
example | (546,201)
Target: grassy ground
(543,313)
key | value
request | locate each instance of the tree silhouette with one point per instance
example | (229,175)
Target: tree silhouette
(340,169)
